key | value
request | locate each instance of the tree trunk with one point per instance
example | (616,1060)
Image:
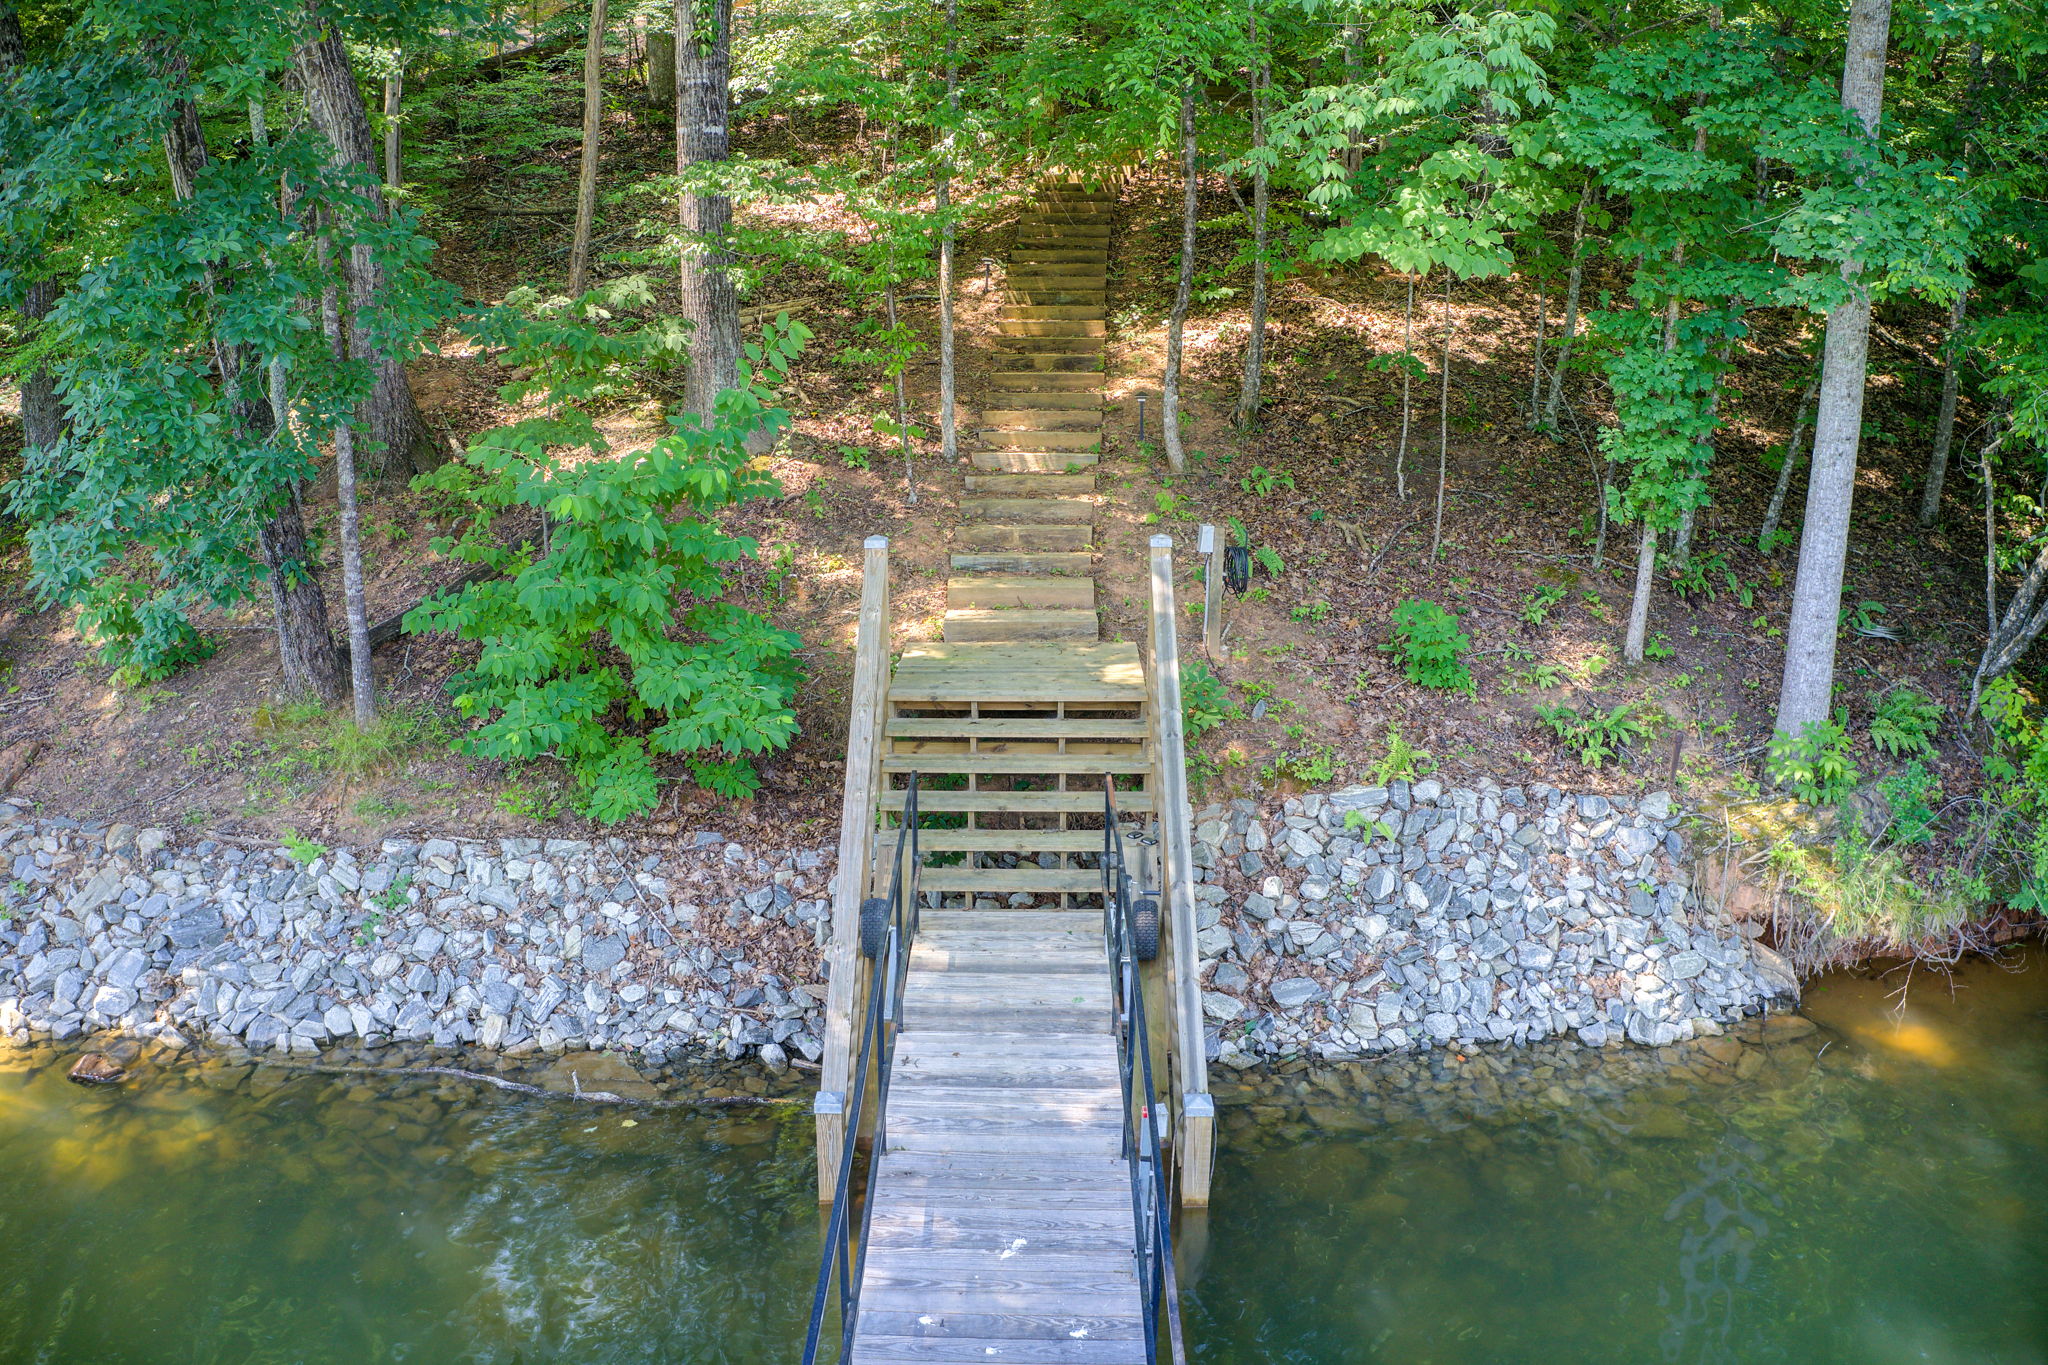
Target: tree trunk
(949,423)
(1354,68)
(1443,425)
(394,93)
(1639,604)
(1571,310)
(43,420)
(1536,364)
(704,136)
(902,401)
(1176,327)
(305,648)
(1810,635)
(593,132)
(1255,344)
(1407,389)
(389,416)
(1769,530)
(362,683)
(661,69)
(1945,420)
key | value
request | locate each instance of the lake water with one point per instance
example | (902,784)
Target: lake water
(1867,1188)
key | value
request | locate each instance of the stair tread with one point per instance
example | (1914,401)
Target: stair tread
(998,591)
(1015,765)
(1026,561)
(1038,538)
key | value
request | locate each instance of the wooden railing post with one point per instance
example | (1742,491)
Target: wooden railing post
(847,986)
(1194,1110)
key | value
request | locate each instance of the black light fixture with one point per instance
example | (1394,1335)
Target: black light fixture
(1237,568)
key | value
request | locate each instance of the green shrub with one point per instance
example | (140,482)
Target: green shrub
(1402,762)
(1536,605)
(583,654)
(1594,737)
(1908,795)
(1204,701)
(145,637)
(1814,765)
(1430,646)
(1905,722)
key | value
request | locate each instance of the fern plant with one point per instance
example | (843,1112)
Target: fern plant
(1904,723)
(1431,646)
(583,654)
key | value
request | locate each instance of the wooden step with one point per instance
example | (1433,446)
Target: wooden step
(1005,592)
(1025,561)
(1017,803)
(1005,880)
(944,673)
(1089,280)
(1021,511)
(1078,297)
(1017,765)
(1048,384)
(1033,461)
(973,922)
(1044,401)
(1041,438)
(1056,255)
(962,624)
(1048,364)
(1007,344)
(1038,539)
(1021,485)
(1052,312)
(1032,229)
(1008,841)
(1002,728)
(1052,327)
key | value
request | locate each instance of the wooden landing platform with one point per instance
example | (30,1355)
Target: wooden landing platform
(1101,672)
(1002,1205)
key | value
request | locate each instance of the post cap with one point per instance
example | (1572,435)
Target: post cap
(828,1102)
(1198,1105)
(1162,542)
(876,543)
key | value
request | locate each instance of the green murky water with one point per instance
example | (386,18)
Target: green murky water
(1858,1189)
(1872,1190)
(226,1217)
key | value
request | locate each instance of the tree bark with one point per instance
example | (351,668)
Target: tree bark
(1646,549)
(1407,389)
(362,682)
(949,423)
(1571,309)
(1769,530)
(1176,327)
(1536,363)
(1945,420)
(593,132)
(394,94)
(1255,344)
(305,647)
(661,69)
(1810,635)
(704,137)
(1443,426)
(389,415)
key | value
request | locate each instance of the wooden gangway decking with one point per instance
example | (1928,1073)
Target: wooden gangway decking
(1002,1224)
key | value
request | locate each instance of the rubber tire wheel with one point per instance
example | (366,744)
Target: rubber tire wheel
(1145,929)
(874,925)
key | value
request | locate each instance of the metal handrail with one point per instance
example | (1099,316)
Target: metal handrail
(1142,1149)
(845,1257)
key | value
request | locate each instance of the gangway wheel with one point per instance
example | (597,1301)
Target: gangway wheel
(1145,929)
(874,926)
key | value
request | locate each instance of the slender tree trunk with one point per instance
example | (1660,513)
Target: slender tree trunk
(1571,309)
(362,682)
(661,69)
(1536,366)
(1810,635)
(394,94)
(1945,420)
(389,415)
(1176,327)
(259,133)
(1443,426)
(949,423)
(43,420)
(1354,68)
(305,648)
(902,402)
(1769,530)
(1255,344)
(593,134)
(711,303)
(1646,548)
(1407,390)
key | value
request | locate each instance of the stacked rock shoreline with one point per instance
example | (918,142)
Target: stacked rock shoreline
(1369,920)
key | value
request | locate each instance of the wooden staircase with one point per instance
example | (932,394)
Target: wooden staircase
(1023,556)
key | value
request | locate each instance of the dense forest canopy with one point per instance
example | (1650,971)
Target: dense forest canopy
(229,232)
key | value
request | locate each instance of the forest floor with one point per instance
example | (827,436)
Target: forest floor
(1314,699)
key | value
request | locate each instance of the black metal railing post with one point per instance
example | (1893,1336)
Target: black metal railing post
(845,1254)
